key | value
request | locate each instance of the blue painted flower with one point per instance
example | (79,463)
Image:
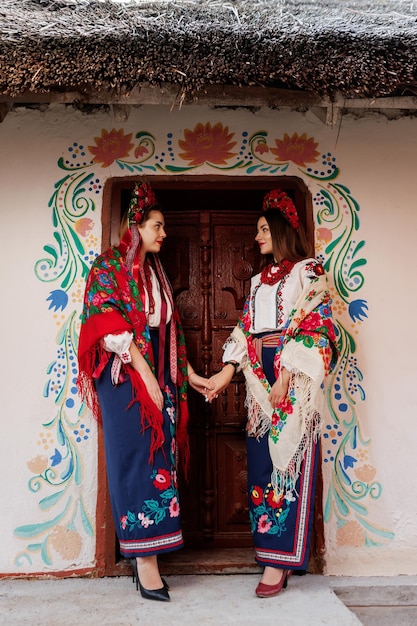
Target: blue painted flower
(357,309)
(349,461)
(58,298)
(56,458)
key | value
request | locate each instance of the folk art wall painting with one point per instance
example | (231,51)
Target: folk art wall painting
(56,469)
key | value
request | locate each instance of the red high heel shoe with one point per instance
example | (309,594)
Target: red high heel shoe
(268,591)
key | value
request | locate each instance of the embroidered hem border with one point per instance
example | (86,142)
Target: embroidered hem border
(297,557)
(164,543)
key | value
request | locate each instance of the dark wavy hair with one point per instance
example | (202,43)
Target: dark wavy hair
(287,243)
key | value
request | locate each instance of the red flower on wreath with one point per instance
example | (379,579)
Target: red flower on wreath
(162,480)
(207,143)
(297,149)
(278,199)
(111,146)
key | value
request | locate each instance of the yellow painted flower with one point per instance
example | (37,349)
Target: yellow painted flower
(365,473)
(66,542)
(38,464)
(350,534)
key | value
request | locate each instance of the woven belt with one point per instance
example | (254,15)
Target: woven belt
(269,340)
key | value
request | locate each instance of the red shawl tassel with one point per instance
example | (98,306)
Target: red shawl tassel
(151,416)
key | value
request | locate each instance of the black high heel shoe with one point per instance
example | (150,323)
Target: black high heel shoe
(136,578)
(149,594)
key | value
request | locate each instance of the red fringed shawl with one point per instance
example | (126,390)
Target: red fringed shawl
(114,303)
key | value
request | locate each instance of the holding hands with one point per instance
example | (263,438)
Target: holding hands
(199,383)
(218,382)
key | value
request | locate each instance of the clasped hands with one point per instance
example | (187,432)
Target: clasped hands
(218,382)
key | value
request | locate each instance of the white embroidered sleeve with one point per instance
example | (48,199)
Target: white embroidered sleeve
(233,351)
(119,344)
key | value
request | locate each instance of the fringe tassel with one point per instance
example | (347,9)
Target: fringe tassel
(151,416)
(259,423)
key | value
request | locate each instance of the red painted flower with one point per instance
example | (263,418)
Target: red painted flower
(207,143)
(257,495)
(162,480)
(297,149)
(123,521)
(140,151)
(275,500)
(261,147)
(111,146)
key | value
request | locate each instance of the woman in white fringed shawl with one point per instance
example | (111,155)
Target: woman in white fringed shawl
(284,344)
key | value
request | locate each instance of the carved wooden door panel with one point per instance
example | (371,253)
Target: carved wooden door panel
(210,257)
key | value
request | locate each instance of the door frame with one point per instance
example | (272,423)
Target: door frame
(106,542)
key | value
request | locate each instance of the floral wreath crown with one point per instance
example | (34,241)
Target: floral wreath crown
(142,198)
(278,199)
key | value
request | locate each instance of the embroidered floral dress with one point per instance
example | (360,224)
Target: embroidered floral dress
(285,323)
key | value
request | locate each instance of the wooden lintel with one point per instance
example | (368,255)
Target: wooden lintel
(215,95)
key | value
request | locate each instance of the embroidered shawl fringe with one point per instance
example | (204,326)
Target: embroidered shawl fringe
(309,413)
(259,423)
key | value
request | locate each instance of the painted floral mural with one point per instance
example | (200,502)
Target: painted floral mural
(57,468)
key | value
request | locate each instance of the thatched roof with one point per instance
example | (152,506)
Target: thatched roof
(325,47)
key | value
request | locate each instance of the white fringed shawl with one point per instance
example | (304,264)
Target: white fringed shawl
(308,362)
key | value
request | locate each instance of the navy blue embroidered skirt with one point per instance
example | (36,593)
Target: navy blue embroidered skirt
(281,526)
(144,498)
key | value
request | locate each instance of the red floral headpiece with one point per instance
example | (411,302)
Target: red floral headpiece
(278,199)
(142,198)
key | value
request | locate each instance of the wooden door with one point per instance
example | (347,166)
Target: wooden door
(210,257)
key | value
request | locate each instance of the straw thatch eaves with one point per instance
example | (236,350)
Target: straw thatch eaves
(126,51)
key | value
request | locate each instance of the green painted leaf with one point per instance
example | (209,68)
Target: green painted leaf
(49,501)
(31,530)
(85,520)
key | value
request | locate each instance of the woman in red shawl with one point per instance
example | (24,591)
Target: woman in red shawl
(133,374)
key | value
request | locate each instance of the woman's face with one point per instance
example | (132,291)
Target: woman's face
(263,237)
(152,232)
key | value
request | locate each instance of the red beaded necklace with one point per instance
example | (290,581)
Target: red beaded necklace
(275,272)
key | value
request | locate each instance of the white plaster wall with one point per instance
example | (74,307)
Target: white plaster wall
(378,159)
(377,162)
